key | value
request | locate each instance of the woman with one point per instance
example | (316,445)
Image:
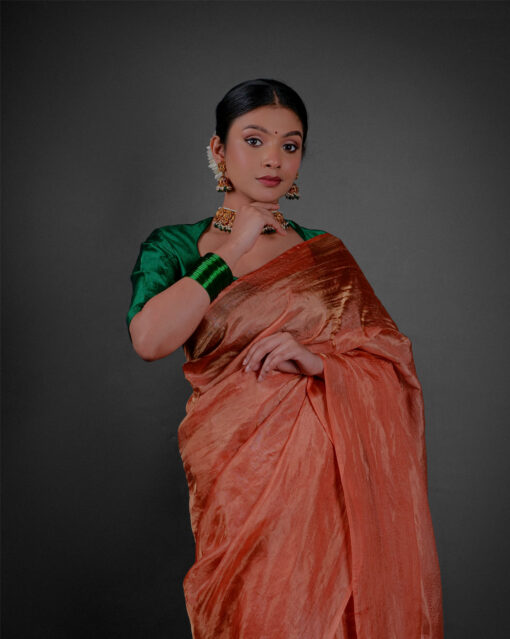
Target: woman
(303,442)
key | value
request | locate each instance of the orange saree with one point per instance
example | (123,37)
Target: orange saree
(308,496)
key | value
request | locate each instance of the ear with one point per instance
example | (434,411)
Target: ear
(217,149)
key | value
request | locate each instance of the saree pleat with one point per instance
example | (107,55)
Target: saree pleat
(308,496)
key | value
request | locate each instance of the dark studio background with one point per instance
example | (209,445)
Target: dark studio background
(106,112)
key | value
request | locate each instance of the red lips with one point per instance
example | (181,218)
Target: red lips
(269,180)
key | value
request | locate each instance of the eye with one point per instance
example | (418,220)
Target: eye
(252,138)
(292,145)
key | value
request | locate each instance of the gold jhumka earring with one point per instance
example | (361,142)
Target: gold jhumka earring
(293,192)
(224,184)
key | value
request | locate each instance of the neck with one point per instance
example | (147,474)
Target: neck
(233,200)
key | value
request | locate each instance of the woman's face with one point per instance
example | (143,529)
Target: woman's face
(266,141)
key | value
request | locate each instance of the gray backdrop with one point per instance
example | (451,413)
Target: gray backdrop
(107,109)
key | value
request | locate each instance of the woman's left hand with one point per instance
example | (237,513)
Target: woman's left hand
(283,353)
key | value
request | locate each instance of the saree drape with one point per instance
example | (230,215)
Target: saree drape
(308,496)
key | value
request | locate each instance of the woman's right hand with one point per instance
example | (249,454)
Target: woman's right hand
(249,223)
(170,317)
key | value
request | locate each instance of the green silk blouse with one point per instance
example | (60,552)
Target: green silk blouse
(169,253)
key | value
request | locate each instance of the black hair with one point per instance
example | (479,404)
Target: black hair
(252,94)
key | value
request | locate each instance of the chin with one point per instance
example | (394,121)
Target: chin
(270,196)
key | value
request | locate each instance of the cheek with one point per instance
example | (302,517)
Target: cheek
(294,164)
(240,159)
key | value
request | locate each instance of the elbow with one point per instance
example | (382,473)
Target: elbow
(144,353)
(143,348)
(146,348)
(144,343)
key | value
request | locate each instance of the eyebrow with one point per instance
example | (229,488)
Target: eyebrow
(261,128)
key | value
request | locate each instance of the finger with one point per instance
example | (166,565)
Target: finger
(271,221)
(271,362)
(257,351)
(256,358)
(251,357)
(288,349)
(255,348)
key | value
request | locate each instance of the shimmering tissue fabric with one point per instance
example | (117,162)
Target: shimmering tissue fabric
(308,497)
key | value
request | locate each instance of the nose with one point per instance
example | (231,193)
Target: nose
(272,158)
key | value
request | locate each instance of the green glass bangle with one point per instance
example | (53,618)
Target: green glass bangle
(213,273)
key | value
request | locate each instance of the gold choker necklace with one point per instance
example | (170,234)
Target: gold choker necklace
(224,218)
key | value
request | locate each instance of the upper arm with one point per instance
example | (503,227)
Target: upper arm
(156,268)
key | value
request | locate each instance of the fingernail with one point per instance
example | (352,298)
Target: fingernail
(247,368)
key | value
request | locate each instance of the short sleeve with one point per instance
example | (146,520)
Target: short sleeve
(156,268)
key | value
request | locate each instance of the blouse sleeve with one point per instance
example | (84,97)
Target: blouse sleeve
(156,268)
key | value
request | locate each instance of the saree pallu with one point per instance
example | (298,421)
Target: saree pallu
(308,496)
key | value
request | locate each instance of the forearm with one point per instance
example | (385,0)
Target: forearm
(169,318)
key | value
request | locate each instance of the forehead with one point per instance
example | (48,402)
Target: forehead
(271,117)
